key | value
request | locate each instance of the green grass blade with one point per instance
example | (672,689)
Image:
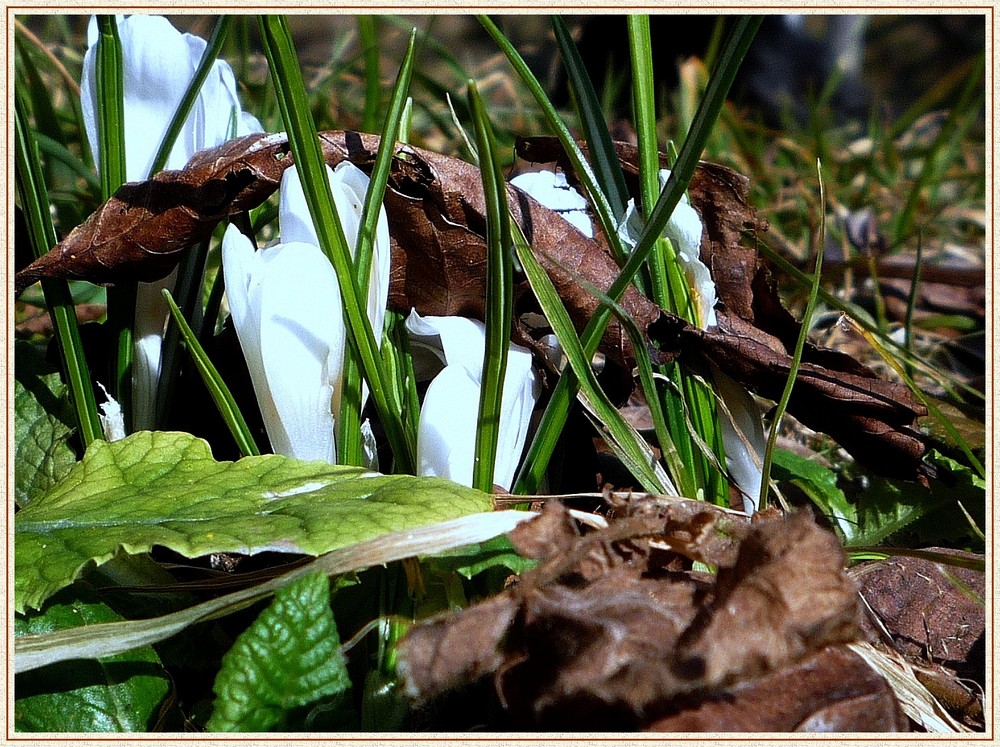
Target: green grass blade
(499,294)
(294,104)
(46,120)
(911,304)
(399,363)
(31,190)
(56,151)
(217,388)
(669,286)
(681,469)
(715,95)
(904,219)
(349,423)
(800,343)
(669,293)
(579,368)
(708,111)
(190,271)
(188,290)
(607,167)
(110,106)
(110,110)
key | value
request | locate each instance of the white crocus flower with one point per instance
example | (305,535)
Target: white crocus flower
(552,190)
(684,231)
(286,306)
(739,419)
(451,348)
(158,65)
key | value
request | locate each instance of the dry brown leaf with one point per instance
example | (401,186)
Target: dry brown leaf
(606,633)
(932,611)
(832,690)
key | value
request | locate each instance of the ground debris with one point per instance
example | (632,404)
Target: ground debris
(933,614)
(606,634)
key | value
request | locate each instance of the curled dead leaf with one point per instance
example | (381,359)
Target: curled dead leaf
(602,634)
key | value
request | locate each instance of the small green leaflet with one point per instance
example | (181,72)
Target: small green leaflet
(289,657)
(159,488)
(118,693)
(41,432)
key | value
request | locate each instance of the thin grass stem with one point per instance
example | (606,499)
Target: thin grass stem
(217,388)
(110,107)
(499,294)
(800,344)
(34,199)
(349,423)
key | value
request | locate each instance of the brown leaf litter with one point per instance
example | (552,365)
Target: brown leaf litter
(614,631)
(933,613)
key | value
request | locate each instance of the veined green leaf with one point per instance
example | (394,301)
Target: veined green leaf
(42,454)
(31,652)
(289,657)
(160,488)
(820,484)
(119,693)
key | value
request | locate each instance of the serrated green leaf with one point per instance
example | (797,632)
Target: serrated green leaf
(820,485)
(962,515)
(289,657)
(888,506)
(114,694)
(161,488)
(42,455)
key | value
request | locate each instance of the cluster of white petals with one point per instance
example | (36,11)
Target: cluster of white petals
(684,231)
(739,417)
(285,303)
(450,349)
(285,300)
(158,65)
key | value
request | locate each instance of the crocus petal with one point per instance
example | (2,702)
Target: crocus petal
(521,390)
(446,443)
(349,185)
(158,65)
(742,437)
(111,417)
(446,432)
(282,301)
(551,189)
(354,184)
(684,230)
(151,313)
(436,341)
(742,430)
